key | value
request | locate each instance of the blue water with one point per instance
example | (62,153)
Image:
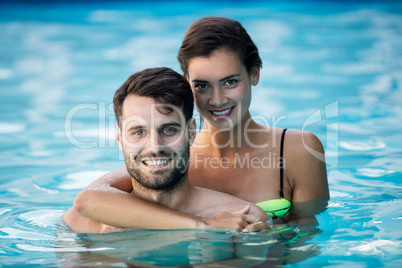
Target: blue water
(332,68)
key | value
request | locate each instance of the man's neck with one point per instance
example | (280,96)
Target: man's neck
(178,197)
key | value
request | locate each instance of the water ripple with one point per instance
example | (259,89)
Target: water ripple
(363,145)
(378,247)
(79,180)
(374,172)
(8,128)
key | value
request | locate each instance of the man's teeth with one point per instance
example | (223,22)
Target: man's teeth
(222,112)
(156,162)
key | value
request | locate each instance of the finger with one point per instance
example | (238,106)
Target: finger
(241,211)
(241,226)
(251,218)
(255,227)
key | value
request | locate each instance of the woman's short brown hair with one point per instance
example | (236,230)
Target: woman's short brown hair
(212,33)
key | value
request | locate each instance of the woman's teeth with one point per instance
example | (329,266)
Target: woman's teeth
(222,112)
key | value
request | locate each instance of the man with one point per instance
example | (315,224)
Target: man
(155,129)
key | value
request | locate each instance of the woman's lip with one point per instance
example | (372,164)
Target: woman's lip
(223,113)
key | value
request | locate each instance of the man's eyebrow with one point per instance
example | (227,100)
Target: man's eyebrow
(220,80)
(134,127)
(168,124)
(171,124)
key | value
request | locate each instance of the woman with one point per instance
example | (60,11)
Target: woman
(230,153)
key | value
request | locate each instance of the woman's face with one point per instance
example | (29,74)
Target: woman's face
(222,88)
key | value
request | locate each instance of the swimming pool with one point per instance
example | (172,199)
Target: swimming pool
(334,69)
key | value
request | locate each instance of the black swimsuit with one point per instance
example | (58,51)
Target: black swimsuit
(281,162)
(277,207)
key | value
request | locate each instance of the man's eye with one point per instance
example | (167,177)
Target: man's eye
(169,131)
(139,132)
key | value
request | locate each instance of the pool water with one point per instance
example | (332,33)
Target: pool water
(331,68)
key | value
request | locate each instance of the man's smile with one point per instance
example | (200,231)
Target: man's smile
(156,163)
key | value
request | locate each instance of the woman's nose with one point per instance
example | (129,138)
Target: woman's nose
(218,98)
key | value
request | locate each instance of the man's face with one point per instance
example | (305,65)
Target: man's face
(155,144)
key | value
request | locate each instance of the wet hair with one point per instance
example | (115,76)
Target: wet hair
(212,33)
(164,85)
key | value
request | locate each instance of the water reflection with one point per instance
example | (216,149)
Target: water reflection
(289,241)
(286,244)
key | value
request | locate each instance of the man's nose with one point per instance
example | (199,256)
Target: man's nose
(155,142)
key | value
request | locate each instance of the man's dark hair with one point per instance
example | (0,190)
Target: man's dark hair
(164,85)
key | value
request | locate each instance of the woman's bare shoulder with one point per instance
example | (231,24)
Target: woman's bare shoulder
(305,166)
(303,145)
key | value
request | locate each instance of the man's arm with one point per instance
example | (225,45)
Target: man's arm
(108,200)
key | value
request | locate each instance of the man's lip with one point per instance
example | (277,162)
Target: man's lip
(156,163)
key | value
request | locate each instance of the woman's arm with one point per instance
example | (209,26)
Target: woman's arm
(109,201)
(81,224)
(306,172)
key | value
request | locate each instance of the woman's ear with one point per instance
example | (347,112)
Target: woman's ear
(192,131)
(255,75)
(118,136)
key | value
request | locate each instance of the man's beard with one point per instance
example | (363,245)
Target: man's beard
(160,181)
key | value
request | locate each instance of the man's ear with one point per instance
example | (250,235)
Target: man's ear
(118,136)
(192,131)
(255,75)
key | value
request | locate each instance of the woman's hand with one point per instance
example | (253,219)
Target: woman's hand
(238,220)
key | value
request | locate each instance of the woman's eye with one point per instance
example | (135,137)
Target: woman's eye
(201,86)
(231,82)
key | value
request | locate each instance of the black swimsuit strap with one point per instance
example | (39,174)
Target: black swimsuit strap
(281,162)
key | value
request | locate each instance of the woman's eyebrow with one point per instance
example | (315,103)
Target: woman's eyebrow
(220,80)
(199,81)
(228,77)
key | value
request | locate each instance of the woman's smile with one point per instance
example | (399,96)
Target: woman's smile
(221,85)
(223,113)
